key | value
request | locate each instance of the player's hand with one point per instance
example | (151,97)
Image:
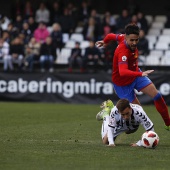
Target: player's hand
(146,73)
(100,44)
(111,145)
(133,145)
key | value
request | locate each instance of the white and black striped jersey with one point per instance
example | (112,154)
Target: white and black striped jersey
(117,124)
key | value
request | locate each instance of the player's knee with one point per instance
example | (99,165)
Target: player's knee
(158,96)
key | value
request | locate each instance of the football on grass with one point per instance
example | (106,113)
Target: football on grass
(150,139)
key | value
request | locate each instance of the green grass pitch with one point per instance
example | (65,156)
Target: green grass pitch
(43,136)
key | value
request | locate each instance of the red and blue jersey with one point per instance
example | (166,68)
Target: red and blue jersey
(125,61)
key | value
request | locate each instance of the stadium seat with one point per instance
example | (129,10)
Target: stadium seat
(151,38)
(158,25)
(151,45)
(115,16)
(50,29)
(158,53)
(161,45)
(63,56)
(164,38)
(152,60)
(141,60)
(160,18)
(65,37)
(70,44)
(165,60)
(79,29)
(149,19)
(84,44)
(166,31)
(77,37)
(154,31)
(167,53)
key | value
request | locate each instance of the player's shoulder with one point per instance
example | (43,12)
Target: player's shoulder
(123,48)
(136,107)
(114,111)
(120,36)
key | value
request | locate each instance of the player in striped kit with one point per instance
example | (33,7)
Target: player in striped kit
(124,117)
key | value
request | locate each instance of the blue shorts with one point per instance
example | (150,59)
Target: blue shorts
(128,92)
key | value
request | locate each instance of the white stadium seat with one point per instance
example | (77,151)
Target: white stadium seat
(151,45)
(154,31)
(149,19)
(165,61)
(161,45)
(160,18)
(151,38)
(166,31)
(158,25)
(77,37)
(152,60)
(65,37)
(84,44)
(158,53)
(115,16)
(70,44)
(164,38)
(63,55)
(50,29)
(167,53)
(141,60)
(79,29)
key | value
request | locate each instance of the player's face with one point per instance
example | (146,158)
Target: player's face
(126,113)
(132,40)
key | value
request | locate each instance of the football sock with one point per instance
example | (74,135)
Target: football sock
(162,108)
(105,123)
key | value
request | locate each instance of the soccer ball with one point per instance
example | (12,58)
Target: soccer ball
(150,139)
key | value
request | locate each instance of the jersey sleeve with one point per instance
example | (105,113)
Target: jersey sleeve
(113,37)
(145,121)
(123,67)
(111,126)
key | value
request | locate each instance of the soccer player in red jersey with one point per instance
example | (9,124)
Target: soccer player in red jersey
(127,76)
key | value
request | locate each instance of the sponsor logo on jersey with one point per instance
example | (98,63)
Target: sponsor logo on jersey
(147,124)
(124,58)
(135,55)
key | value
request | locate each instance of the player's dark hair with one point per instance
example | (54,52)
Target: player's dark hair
(132,29)
(122,104)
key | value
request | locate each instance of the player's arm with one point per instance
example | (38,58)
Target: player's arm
(110,136)
(124,71)
(146,73)
(112,124)
(108,38)
(146,123)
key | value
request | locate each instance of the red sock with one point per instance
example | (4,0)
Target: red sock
(162,109)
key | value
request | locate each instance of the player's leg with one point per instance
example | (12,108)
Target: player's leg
(147,87)
(105,116)
(106,108)
(104,130)
(126,92)
(136,101)
(159,102)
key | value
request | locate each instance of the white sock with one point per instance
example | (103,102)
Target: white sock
(105,125)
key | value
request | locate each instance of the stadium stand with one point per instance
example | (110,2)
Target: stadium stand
(158,41)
